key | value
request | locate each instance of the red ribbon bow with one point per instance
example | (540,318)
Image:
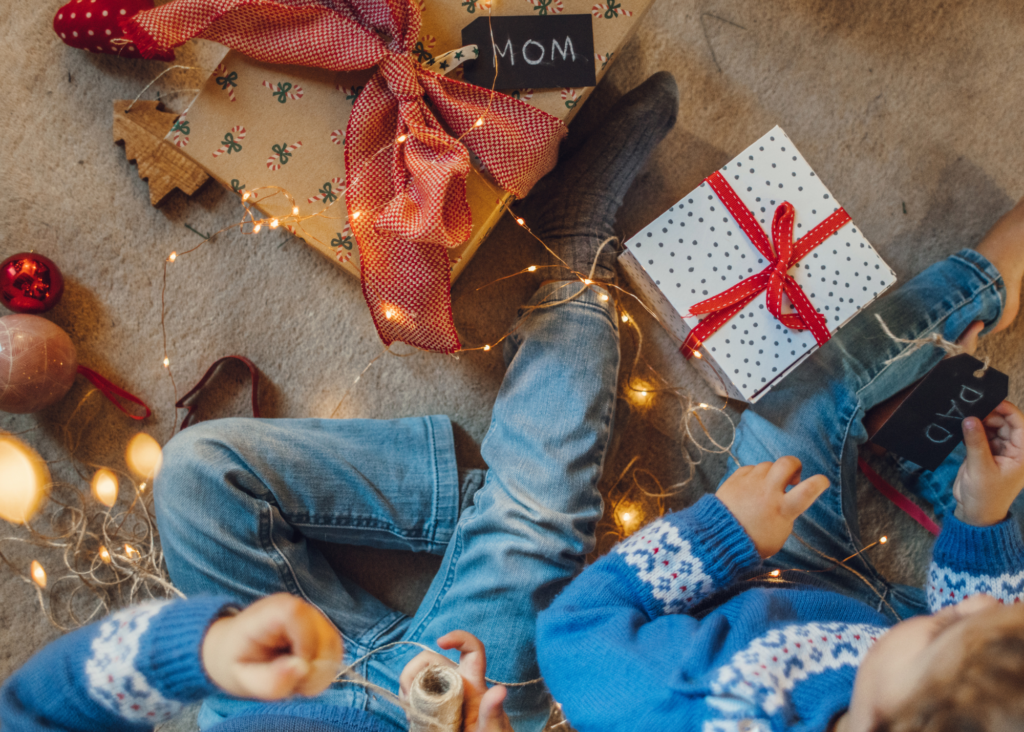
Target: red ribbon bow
(407,201)
(774,278)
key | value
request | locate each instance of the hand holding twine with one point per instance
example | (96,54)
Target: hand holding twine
(408,203)
(774,278)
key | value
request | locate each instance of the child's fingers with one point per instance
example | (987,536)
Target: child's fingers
(1013,420)
(472,656)
(979,453)
(492,717)
(798,500)
(275,680)
(783,472)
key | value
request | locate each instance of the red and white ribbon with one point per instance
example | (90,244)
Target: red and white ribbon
(774,278)
(292,92)
(408,204)
(274,161)
(237,133)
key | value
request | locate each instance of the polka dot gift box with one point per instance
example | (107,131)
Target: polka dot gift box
(755,269)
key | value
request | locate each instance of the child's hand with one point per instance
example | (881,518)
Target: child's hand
(276,647)
(756,495)
(482,709)
(993,473)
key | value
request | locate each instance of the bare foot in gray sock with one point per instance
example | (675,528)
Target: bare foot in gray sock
(573,209)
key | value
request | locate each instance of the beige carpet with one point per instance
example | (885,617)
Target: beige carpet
(909,111)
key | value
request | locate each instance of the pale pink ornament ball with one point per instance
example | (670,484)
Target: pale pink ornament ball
(38,363)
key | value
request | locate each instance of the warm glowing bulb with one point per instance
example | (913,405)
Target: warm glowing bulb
(520,221)
(104,555)
(587,282)
(172,257)
(295,210)
(775,573)
(626,515)
(104,487)
(245,196)
(355,214)
(532,268)
(625,318)
(487,348)
(256,228)
(389,313)
(144,456)
(697,354)
(604,298)
(643,393)
(883,540)
(38,574)
(274,223)
(702,405)
(479,122)
(131,552)
(23,481)
(402,138)
(142,487)
(167,362)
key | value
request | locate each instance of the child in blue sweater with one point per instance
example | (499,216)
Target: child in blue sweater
(245,505)
(735,613)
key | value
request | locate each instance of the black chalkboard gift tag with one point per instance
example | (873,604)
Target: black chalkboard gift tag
(532,51)
(926,427)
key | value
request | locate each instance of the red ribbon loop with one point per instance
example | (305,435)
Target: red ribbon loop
(253,372)
(406,200)
(113,392)
(774,278)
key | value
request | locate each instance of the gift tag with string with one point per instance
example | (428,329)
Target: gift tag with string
(926,427)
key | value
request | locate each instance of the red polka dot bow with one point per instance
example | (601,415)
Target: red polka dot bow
(406,173)
(774,278)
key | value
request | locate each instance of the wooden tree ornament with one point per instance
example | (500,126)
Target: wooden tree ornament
(142,129)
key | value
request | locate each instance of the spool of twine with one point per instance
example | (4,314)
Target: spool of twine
(435,700)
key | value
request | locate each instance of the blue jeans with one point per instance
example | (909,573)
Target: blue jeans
(238,500)
(817,414)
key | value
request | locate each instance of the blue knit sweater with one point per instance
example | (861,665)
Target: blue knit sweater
(139,667)
(660,634)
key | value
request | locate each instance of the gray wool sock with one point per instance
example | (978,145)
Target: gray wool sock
(573,209)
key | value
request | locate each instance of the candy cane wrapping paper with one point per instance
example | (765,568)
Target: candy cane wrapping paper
(697,251)
(231,142)
(326,107)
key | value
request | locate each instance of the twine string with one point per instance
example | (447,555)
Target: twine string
(933,339)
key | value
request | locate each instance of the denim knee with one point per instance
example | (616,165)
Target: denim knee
(191,482)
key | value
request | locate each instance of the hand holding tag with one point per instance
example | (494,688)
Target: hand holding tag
(925,428)
(993,474)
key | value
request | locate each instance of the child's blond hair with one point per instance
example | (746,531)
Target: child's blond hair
(982,693)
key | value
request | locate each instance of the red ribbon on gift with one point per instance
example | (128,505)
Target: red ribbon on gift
(407,201)
(774,278)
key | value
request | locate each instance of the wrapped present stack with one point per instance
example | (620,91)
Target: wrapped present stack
(396,205)
(755,269)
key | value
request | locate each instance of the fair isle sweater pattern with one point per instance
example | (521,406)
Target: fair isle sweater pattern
(113,679)
(946,586)
(772,665)
(666,562)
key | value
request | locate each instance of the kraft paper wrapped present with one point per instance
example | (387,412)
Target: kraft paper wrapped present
(255,124)
(714,268)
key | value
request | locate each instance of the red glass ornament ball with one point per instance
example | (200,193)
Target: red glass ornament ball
(30,283)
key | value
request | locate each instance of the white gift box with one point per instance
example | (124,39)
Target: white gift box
(697,250)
